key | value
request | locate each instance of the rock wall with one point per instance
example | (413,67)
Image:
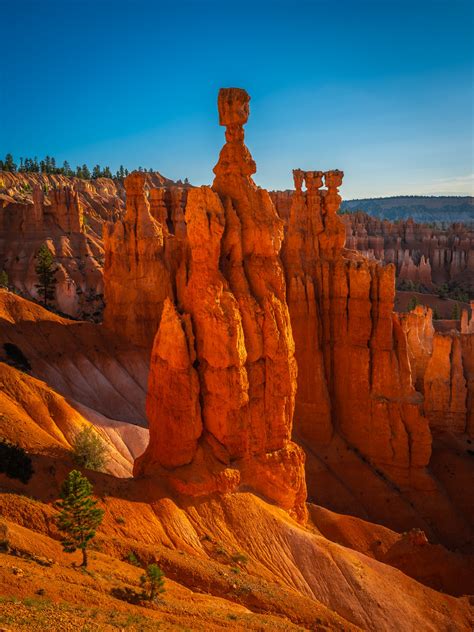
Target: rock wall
(223,375)
(354,376)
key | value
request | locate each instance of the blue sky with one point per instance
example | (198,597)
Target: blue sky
(381,89)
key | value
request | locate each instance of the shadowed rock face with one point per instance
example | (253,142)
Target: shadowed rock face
(354,376)
(442,367)
(223,374)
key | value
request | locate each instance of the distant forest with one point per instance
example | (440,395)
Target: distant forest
(48,165)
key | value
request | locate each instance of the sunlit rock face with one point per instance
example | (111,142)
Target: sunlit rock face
(223,374)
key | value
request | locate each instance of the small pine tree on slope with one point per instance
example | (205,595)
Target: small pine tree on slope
(80,516)
(46,273)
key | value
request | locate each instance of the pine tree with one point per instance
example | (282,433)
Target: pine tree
(106,173)
(46,272)
(456,313)
(96,172)
(153,580)
(80,516)
(413,302)
(3,280)
(86,174)
(8,164)
(67,169)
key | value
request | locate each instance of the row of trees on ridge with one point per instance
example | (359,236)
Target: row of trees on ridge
(48,165)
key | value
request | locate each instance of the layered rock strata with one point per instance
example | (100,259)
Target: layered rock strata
(424,254)
(69,214)
(137,279)
(354,377)
(223,374)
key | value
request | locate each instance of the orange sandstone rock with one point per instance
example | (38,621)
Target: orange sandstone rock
(228,349)
(137,280)
(351,351)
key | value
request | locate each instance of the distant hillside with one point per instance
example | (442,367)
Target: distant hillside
(420,207)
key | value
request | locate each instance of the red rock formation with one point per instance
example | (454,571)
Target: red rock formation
(351,352)
(69,215)
(423,254)
(137,280)
(30,217)
(442,367)
(227,353)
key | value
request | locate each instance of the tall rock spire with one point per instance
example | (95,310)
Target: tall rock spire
(234,345)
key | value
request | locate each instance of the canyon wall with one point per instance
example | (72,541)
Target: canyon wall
(425,254)
(68,215)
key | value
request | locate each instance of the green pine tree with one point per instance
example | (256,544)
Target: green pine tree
(86,174)
(46,273)
(456,313)
(9,164)
(153,581)
(96,172)
(413,302)
(80,516)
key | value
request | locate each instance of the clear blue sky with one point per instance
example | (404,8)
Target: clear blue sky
(380,89)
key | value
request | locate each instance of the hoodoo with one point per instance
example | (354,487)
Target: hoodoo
(226,343)
(354,377)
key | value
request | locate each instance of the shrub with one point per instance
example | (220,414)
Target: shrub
(153,581)
(133,559)
(89,449)
(15,462)
(413,302)
(240,558)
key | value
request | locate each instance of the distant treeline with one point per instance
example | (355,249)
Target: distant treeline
(48,165)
